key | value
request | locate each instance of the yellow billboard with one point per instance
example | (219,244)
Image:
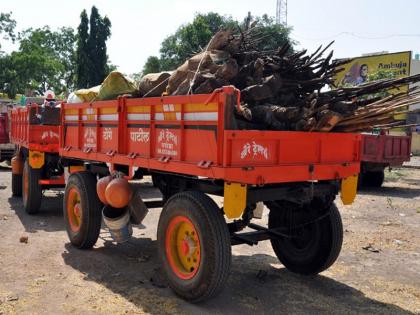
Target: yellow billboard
(357,71)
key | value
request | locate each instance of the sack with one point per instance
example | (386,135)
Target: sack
(88,95)
(73,98)
(115,84)
(153,84)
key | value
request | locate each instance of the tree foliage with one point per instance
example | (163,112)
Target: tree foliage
(272,35)
(82,56)
(48,59)
(45,60)
(152,65)
(191,38)
(92,55)
(7,26)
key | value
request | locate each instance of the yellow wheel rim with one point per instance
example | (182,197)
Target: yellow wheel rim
(74,210)
(183,247)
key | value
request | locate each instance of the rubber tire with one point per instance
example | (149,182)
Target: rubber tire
(326,237)
(214,240)
(16,185)
(373,179)
(85,183)
(32,202)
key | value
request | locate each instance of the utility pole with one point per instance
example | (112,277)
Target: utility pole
(281,12)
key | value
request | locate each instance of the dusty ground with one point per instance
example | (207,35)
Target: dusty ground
(48,276)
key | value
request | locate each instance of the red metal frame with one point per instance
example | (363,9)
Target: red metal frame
(187,135)
(55,181)
(386,149)
(44,138)
(4,123)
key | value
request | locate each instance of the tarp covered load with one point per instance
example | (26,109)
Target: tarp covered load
(115,84)
(87,95)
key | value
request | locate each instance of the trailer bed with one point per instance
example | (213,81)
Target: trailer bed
(30,133)
(196,135)
(386,149)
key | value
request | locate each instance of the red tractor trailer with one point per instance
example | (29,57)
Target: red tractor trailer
(380,151)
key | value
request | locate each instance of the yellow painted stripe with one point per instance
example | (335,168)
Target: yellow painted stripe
(138,109)
(71,111)
(89,111)
(108,110)
(159,109)
(91,117)
(169,115)
(190,108)
(211,107)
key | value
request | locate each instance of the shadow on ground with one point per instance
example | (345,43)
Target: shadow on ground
(400,192)
(254,286)
(50,215)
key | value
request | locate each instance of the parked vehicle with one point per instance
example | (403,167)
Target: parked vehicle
(35,165)
(381,151)
(192,148)
(6,148)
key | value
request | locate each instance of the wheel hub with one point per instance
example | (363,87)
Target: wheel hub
(74,210)
(183,247)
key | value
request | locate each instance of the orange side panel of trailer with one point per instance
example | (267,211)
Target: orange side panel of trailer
(386,149)
(39,137)
(195,135)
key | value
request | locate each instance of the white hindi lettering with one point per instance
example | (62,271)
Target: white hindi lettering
(107,134)
(139,136)
(255,148)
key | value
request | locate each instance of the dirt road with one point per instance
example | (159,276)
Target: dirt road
(48,276)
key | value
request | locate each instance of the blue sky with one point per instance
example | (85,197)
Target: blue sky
(138,27)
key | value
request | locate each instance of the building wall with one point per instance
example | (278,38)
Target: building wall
(414,116)
(415,69)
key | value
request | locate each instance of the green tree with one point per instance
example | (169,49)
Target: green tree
(8,76)
(91,56)
(152,65)
(270,34)
(99,32)
(45,60)
(82,56)
(193,37)
(51,55)
(7,26)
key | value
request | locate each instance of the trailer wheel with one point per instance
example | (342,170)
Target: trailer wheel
(194,246)
(31,189)
(373,179)
(314,244)
(82,210)
(16,185)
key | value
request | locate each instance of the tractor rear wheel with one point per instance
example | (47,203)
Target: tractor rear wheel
(315,236)
(16,185)
(373,178)
(82,210)
(194,246)
(31,189)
